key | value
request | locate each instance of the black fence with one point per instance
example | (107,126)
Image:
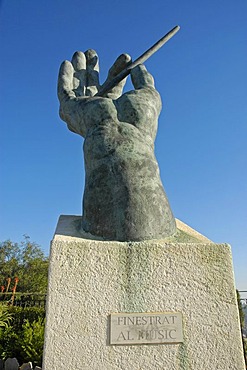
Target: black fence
(24,299)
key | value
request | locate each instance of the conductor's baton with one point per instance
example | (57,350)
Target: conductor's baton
(107,87)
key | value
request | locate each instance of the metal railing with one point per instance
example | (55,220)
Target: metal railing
(24,299)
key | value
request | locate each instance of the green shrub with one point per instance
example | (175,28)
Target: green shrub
(9,344)
(5,316)
(33,341)
(19,315)
(24,338)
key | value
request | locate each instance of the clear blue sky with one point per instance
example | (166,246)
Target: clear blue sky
(201,143)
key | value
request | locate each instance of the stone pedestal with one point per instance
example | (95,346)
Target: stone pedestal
(92,279)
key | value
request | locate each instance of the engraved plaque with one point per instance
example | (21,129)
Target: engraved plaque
(143,328)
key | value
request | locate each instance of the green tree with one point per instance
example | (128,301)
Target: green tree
(9,260)
(242,319)
(240,309)
(25,266)
(26,261)
(33,273)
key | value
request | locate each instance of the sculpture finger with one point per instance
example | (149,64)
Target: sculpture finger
(92,84)
(80,77)
(65,81)
(120,64)
(141,78)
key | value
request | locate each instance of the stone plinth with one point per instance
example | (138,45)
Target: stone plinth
(91,279)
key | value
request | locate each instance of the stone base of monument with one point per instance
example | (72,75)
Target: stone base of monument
(159,304)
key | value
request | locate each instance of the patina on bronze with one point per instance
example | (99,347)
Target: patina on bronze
(124,198)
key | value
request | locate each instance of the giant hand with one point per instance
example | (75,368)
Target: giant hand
(123,197)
